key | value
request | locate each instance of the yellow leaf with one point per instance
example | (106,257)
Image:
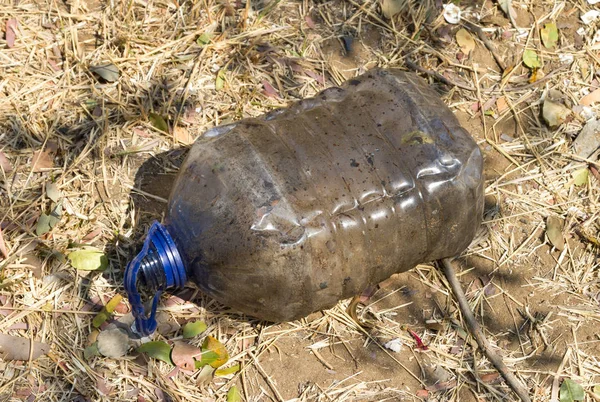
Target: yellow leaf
(465,41)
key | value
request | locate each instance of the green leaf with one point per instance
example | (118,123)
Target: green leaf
(193,328)
(228,370)
(204,39)
(208,357)
(43,225)
(571,391)
(531,59)
(91,351)
(596,390)
(580,177)
(108,72)
(107,310)
(549,34)
(233,395)
(158,122)
(88,259)
(220,81)
(157,349)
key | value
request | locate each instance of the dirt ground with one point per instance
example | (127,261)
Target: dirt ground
(87,149)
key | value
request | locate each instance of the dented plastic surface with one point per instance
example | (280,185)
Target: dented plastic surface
(286,214)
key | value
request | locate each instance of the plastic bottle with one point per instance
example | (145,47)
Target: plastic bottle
(286,214)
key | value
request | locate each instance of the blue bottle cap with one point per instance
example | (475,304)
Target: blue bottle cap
(159,266)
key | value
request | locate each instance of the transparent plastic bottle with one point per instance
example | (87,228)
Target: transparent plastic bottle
(286,214)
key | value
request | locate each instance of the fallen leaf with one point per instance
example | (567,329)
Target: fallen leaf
(53,192)
(45,223)
(220,80)
(549,34)
(91,351)
(590,98)
(88,259)
(107,310)
(596,390)
(531,59)
(227,371)
(422,393)
(182,135)
(158,122)
(554,227)
(113,342)
(490,378)
(269,91)
(389,8)
(5,163)
(102,386)
(507,7)
(233,395)
(3,249)
(11,32)
(205,376)
(465,41)
(214,353)
(41,160)
(571,391)
(554,113)
(501,105)
(580,177)
(19,348)
(451,13)
(309,22)
(157,349)
(109,72)
(193,328)
(203,39)
(183,356)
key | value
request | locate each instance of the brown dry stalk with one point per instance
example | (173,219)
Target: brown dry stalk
(477,333)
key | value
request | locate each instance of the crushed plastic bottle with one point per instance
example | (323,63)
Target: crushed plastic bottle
(286,214)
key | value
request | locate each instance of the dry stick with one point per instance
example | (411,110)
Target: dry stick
(411,64)
(477,333)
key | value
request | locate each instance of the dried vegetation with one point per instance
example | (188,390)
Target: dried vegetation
(98,101)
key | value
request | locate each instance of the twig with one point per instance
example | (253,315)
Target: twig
(411,64)
(481,35)
(477,333)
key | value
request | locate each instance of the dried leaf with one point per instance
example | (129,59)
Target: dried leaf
(549,34)
(102,386)
(206,375)
(571,391)
(554,227)
(19,348)
(45,223)
(507,7)
(183,356)
(113,342)
(590,98)
(11,32)
(182,135)
(158,122)
(5,164)
(53,192)
(501,104)
(554,113)
(233,395)
(269,91)
(193,328)
(465,41)
(107,310)
(227,371)
(157,349)
(41,160)
(596,390)
(580,177)
(531,59)
(88,259)
(3,249)
(390,8)
(220,81)
(109,72)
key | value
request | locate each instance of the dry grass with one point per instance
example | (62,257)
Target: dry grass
(540,305)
